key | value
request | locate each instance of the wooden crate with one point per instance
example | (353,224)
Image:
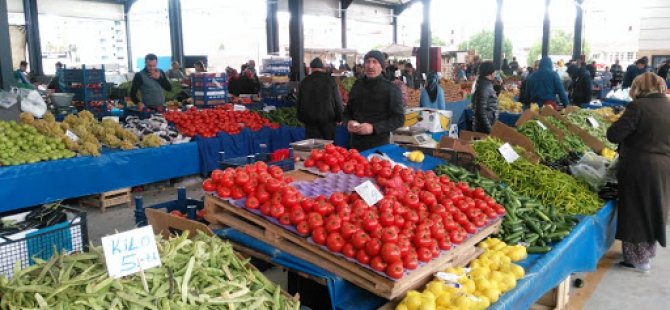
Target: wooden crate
(108,199)
(556,299)
(256,226)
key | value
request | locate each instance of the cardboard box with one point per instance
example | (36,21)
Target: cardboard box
(472,135)
(511,136)
(529,115)
(592,142)
(432,120)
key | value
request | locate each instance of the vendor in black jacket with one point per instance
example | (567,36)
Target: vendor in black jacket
(319,103)
(375,106)
(484,99)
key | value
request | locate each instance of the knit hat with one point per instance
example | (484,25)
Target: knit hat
(486,68)
(316,63)
(376,55)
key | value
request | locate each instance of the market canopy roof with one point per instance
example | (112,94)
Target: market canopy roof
(398,50)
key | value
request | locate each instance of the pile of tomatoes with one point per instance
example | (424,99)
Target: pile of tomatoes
(209,122)
(420,215)
(335,159)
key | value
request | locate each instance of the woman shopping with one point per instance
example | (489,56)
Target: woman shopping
(432,96)
(643,135)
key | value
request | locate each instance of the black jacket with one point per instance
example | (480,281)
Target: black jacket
(485,104)
(582,87)
(631,73)
(663,71)
(234,86)
(319,100)
(376,101)
(248,85)
(617,73)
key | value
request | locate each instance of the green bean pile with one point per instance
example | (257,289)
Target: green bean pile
(570,141)
(550,187)
(544,141)
(199,273)
(579,118)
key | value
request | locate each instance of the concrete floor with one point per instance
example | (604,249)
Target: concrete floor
(608,288)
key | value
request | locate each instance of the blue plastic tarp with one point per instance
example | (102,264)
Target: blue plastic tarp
(245,143)
(579,252)
(457,110)
(43,182)
(395,153)
(344,295)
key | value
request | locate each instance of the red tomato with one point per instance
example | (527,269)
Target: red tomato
(410,261)
(302,228)
(395,270)
(333,223)
(319,235)
(390,252)
(209,185)
(444,244)
(236,193)
(348,250)
(262,196)
(457,236)
(241,178)
(314,220)
(373,246)
(378,264)
(411,200)
(424,254)
(272,185)
(252,203)
(362,257)
(422,239)
(223,192)
(285,219)
(360,239)
(390,234)
(387,218)
(277,210)
(337,199)
(335,242)
(348,230)
(297,215)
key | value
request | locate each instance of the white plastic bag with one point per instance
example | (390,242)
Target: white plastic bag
(9,98)
(32,102)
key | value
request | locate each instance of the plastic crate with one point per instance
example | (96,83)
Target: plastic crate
(181,204)
(286,164)
(69,236)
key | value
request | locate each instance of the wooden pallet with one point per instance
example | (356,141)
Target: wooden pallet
(556,299)
(108,199)
(223,213)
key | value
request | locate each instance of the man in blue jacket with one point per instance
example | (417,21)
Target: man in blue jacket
(544,85)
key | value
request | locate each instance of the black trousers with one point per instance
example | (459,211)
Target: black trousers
(320,131)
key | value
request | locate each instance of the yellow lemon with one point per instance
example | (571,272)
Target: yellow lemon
(444,300)
(518,253)
(499,246)
(492,295)
(427,306)
(419,156)
(462,302)
(401,306)
(480,272)
(413,302)
(468,286)
(517,271)
(436,287)
(483,284)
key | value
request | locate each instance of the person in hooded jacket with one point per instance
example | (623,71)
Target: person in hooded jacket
(581,86)
(484,99)
(544,85)
(375,106)
(319,103)
(506,68)
(432,96)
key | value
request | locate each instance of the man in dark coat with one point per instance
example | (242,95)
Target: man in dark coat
(663,70)
(544,86)
(514,65)
(484,99)
(617,73)
(319,103)
(592,69)
(582,86)
(375,106)
(633,71)
(643,135)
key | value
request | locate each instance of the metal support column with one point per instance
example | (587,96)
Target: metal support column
(33,37)
(498,37)
(579,25)
(395,27)
(272,27)
(424,53)
(343,20)
(545,29)
(296,39)
(176,36)
(6,66)
(126,10)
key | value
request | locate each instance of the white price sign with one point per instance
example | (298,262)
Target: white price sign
(130,252)
(541,125)
(508,153)
(369,193)
(237,107)
(71,135)
(594,123)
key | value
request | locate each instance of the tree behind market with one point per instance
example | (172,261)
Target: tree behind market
(560,43)
(482,43)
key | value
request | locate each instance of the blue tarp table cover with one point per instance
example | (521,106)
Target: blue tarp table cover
(245,143)
(457,110)
(43,182)
(579,252)
(344,295)
(395,153)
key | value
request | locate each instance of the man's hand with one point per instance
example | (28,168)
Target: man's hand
(365,129)
(352,126)
(156,74)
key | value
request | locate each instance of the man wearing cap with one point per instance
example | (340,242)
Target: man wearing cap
(375,106)
(484,99)
(319,103)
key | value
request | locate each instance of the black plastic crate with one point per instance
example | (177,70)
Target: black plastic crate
(68,236)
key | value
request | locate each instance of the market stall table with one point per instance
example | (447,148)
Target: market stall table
(48,181)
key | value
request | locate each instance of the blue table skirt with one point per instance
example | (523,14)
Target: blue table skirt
(579,252)
(43,182)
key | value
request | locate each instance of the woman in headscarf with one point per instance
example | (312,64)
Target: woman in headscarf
(432,96)
(643,135)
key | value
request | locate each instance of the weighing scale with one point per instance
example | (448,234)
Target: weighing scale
(412,135)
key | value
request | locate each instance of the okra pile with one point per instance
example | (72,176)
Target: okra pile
(199,273)
(526,220)
(548,186)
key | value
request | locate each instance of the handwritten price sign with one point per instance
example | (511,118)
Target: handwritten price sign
(130,252)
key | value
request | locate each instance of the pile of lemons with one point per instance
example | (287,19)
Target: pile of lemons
(488,277)
(506,103)
(608,153)
(416,156)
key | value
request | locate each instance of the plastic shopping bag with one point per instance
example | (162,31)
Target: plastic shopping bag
(9,98)
(32,102)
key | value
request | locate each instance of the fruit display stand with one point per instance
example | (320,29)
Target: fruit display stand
(87,85)
(208,89)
